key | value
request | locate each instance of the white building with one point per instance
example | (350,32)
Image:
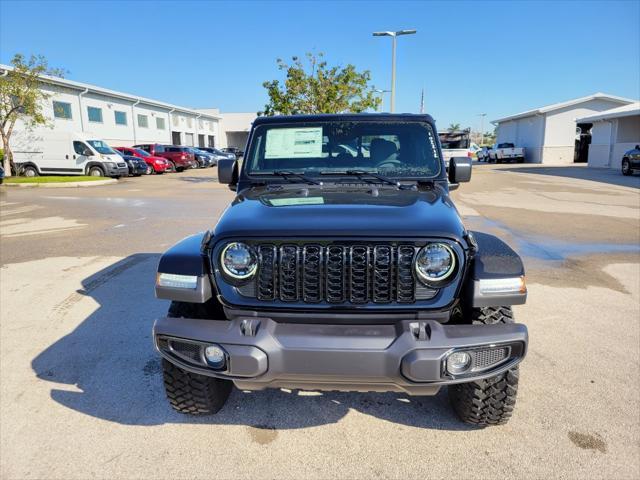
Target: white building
(121,119)
(234,127)
(548,133)
(613,132)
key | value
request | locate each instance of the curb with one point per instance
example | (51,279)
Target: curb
(90,183)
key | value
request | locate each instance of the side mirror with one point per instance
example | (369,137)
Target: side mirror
(87,153)
(459,170)
(227,171)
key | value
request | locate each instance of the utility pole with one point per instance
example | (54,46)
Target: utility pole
(422,101)
(394,36)
(482,115)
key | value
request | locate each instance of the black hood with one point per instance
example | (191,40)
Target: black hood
(340,211)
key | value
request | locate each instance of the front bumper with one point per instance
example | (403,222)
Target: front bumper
(406,357)
(116,171)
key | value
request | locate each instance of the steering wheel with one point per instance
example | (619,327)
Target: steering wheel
(389,163)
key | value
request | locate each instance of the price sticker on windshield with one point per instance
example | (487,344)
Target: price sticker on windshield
(294,143)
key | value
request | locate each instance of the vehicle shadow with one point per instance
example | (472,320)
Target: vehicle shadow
(198,179)
(582,172)
(107,368)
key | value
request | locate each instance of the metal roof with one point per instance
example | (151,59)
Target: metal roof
(112,93)
(568,103)
(618,112)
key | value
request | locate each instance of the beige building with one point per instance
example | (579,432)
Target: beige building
(613,132)
(548,133)
(234,127)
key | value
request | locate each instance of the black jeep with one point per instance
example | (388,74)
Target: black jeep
(343,264)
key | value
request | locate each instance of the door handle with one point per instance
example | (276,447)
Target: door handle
(74,157)
(67,157)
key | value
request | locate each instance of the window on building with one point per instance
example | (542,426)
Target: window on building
(94,114)
(121,117)
(188,139)
(190,122)
(212,141)
(201,140)
(143,121)
(62,110)
(160,123)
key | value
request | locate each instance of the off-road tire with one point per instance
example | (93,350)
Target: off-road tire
(187,392)
(194,394)
(490,401)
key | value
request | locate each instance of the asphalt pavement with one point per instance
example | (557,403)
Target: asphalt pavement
(81,392)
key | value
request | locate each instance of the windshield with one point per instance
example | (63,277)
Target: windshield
(453,140)
(396,149)
(101,147)
(141,152)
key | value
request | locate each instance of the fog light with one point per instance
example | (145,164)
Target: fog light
(215,356)
(458,362)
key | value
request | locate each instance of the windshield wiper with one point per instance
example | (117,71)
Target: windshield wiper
(361,174)
(287,176)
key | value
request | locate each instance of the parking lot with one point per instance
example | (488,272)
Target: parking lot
(81,388)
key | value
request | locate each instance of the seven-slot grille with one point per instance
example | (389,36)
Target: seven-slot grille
(336,273)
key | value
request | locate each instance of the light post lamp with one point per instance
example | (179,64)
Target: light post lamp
(394,36)
(381,92)
(482,115)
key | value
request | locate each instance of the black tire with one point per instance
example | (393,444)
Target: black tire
(187,392)
(150,170)
(194,394)
(95,171)
(491,401)
(29,171)
(626,167)
(172,167)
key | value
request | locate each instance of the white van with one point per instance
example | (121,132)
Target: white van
(60,153)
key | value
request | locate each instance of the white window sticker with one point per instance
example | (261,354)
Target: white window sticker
(287,202)
(294,143)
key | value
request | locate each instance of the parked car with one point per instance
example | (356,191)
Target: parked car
(137,166)
(204,159)
(219,154)
(353,275)
(179,158)
(156,164)
(506,152)
(631,160)
(235,150)
(483,154)
(60,153)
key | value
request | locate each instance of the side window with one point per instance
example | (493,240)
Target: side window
(62,110)
(160,149)
(94,114)
(79,147)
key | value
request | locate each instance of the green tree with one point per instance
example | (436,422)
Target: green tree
(454,127)
(319,89)
(21,98)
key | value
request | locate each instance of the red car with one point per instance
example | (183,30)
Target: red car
(157,164)
(179,158)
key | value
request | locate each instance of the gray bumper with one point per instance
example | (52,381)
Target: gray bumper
(407,357)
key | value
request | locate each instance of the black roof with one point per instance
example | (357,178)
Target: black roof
(349,117)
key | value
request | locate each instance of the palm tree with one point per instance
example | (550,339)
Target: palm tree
(454,127)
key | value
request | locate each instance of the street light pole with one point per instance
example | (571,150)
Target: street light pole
(482,115)
(394,36)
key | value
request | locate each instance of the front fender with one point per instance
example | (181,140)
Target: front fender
(494,260)
(188,257)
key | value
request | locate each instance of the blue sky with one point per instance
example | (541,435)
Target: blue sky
(471,57)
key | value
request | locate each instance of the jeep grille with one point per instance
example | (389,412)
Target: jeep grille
(357,274)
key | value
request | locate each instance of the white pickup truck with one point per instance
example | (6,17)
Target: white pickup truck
(454,144)
(506,152)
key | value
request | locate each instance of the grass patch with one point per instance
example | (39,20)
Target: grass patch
(57,179)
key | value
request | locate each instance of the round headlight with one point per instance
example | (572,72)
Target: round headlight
(238,260)
(435,263)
